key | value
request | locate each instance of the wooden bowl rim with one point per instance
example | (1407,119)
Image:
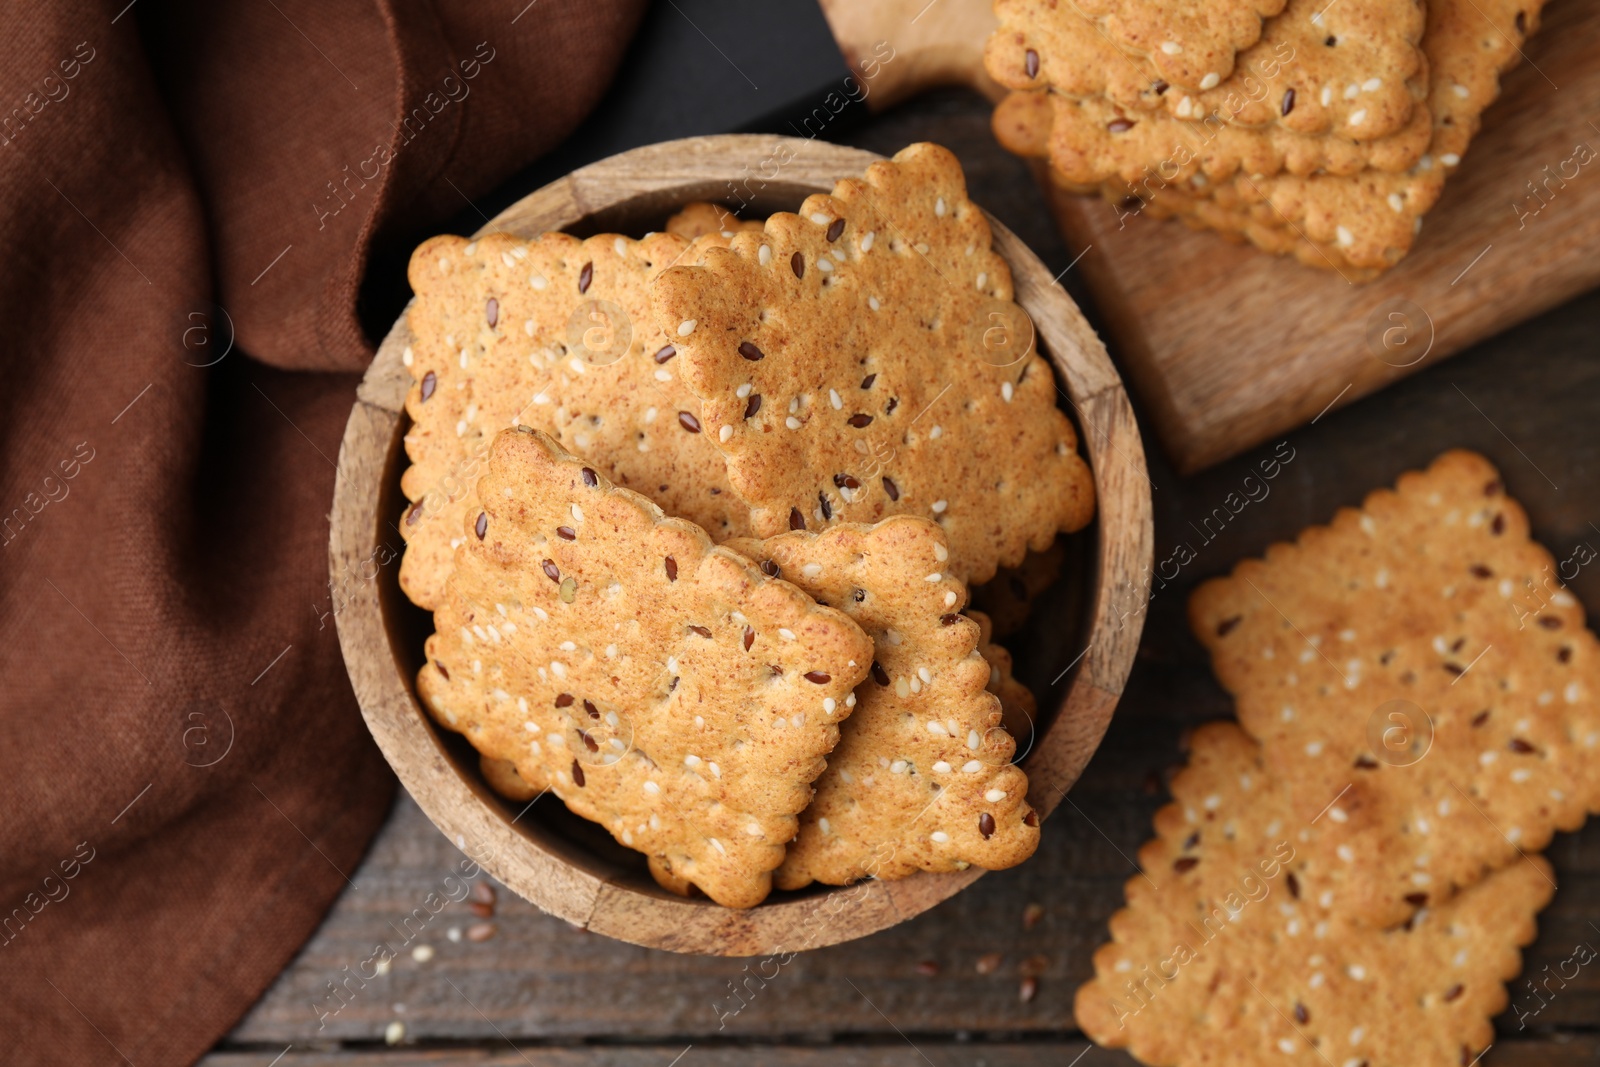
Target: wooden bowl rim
(664,176)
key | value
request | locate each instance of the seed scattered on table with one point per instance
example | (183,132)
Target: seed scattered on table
(989,962)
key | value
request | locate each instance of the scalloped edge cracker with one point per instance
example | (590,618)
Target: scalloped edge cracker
(1224,955)
(839,358)
(663,688)
(555,334)
(922,778)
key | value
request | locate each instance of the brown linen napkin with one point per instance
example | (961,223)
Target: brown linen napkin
(189,194)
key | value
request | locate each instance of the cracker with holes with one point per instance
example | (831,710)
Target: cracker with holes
(922,776)
(1342,70)
(1420,658)
(845,362)
(1363,224)
(1223,955)
(556,334)
(663,688)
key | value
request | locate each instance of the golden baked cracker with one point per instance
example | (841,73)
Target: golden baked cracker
(1224,955)
(1318,68)
(840,359)
(1187,43)
(922,777)
(663,688)
(1419,652)
(555,334)
(1008,597)
(1019,711)
(1363,224)
(1092,141)
(700,219)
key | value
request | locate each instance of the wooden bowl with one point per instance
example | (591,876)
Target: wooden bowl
(569,867)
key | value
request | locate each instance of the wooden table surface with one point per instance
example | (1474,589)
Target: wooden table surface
(538,991)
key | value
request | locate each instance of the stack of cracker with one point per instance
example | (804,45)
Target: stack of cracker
(697,516)
(1319,130)
(1346,874)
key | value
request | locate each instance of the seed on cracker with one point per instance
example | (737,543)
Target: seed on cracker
(668,690)
(555,334)
(1418,660)
(848,366)
(922,776)
(1318,69)
(1225,955)
(1362,224)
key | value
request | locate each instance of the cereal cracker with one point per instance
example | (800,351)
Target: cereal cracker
(1362,225)
(663,688)
(1318,68)
(555,334)
(1224,954)
(1420,661)
(922,776)
(839,356)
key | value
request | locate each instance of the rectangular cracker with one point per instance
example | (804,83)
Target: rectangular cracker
(1343,70)
(841,356)
(1364,224)
(922,777)
(1416,660)
(555,334)
(663,688)
(1225,955)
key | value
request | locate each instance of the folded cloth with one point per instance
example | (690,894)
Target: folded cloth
(190,194)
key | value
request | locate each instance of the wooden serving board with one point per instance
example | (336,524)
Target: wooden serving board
(1228,346)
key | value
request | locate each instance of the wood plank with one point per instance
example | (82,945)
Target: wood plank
(1538,1052)
(1229,346)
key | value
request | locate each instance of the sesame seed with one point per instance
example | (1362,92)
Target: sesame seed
(934,726)
(936,433)
(538,281)
(1344,237)
(939,506)
(823,825)
(972,766)
(1185,106)
(995,796)
(619,245)
(821,219)
(686,327)
(407,356)
(652,788)
(764,256)
(792,422)
(866,241)
(786,633)
(1358,116)
(835,399)
(897,767)
(939,207)
(1007,391)
(1327,95)
(941,767)
(828,705)
(725,433)
(742,392)
(1210,81)
(1396,204)
(1449,159)
(973,740)
(1171,48)
(950,598)
(939,837)
(824,264)
(717,845)
(1461,90)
